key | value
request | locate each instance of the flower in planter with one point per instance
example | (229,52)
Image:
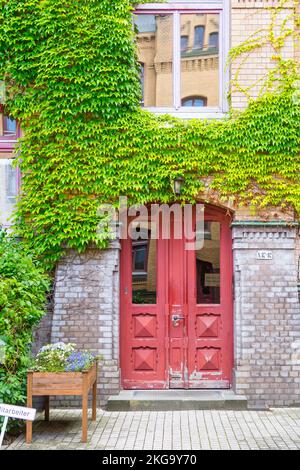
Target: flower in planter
(64,347)
(62,357)
(78,361)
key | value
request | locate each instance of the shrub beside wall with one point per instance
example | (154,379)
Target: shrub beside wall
(23,287)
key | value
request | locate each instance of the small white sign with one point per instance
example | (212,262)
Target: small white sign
(264,255)
(18,412)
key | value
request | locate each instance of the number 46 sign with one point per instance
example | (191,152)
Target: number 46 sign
(17,412)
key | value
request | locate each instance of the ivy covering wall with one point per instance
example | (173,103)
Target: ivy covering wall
(72,81)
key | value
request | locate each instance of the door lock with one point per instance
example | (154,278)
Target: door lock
(176,319)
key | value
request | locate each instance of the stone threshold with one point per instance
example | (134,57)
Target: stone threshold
(174,400)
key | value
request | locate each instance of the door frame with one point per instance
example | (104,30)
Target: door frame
(212,213)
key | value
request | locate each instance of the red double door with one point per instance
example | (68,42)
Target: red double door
(176,309)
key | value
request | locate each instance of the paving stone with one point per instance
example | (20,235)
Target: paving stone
(169,430)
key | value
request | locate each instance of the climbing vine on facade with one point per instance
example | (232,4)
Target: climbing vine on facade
(72,81)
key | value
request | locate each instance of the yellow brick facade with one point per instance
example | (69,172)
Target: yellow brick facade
(249,17)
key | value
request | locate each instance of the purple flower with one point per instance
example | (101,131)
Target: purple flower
(79,360)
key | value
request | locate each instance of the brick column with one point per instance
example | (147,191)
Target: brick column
(267,315)
(86,311)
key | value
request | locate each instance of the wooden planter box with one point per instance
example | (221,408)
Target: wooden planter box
(63,383)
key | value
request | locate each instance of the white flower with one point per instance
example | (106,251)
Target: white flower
(64,347)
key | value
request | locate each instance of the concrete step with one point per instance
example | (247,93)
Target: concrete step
(173,400)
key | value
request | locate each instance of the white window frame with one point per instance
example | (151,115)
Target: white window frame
(193,6)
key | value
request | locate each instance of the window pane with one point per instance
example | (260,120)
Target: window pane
(11,183)
(214,40)
(142,78)
(9,125)
(144,269)
(140,257)
(208,265)
(197,101)
(200,60)
(187,102)
(184,43)
(155,52)
(8,190)
(199,37)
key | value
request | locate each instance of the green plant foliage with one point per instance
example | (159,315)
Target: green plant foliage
(52,357)
(281,27)
(23,286)
(61,357)
(72,80)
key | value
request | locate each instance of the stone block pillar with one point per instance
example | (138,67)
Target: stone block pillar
(266,315)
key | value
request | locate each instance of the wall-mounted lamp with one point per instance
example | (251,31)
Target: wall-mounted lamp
(178,183)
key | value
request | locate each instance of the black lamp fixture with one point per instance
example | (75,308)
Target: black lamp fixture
(178,183)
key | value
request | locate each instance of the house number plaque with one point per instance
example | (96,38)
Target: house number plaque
(264,255)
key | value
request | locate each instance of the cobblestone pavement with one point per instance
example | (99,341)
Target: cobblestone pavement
(177,430)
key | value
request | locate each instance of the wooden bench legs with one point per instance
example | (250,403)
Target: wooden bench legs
(94,404)
(47,408)
(29,405)
(85,399)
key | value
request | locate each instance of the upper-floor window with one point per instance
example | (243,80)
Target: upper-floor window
(199,37)
(8,126)
(183,56)
(184,43)
(214,40)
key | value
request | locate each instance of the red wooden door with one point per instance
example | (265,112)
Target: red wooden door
(210,319)
(143,313)
(176,310)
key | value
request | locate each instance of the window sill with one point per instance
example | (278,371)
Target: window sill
(8,137)
(8,143)
(209,114)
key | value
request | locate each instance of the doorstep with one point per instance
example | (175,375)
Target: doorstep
(174,400)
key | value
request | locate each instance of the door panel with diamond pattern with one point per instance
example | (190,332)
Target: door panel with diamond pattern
(143,352)
(210,322)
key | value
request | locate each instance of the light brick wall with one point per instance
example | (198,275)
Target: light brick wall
(297,259)
(267,316)
(247,18)
(297,48)
(86,312)
(42,334)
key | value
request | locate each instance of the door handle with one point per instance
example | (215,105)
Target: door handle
(176,318)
